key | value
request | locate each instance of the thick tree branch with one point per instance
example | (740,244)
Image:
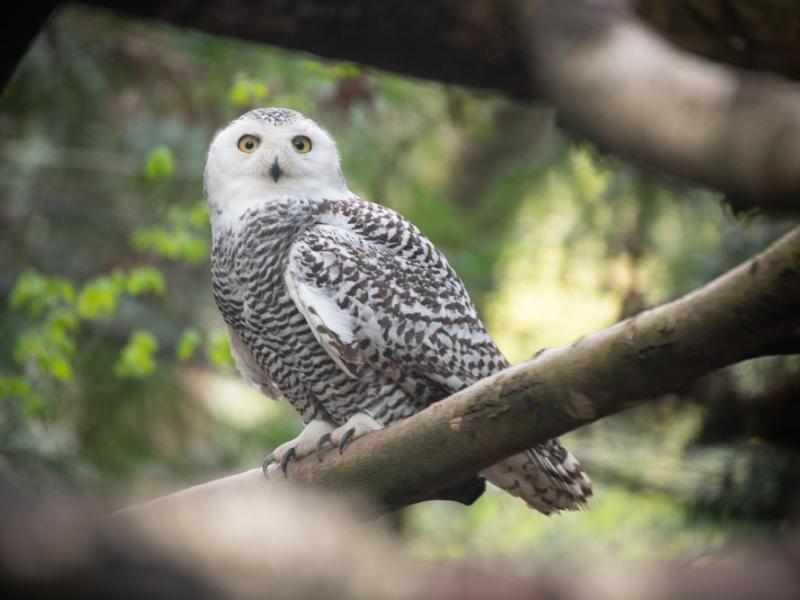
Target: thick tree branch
(742,314)
(302,546)
(621,86)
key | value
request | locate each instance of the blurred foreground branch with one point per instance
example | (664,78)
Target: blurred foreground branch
(302,546)
(748,312)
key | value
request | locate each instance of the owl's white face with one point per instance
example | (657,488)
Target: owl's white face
(268,154)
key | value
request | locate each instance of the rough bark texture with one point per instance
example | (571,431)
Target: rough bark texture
(748,312)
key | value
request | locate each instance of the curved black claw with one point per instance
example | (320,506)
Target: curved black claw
(289,455)
(324,439)
(267,462)
(348,435)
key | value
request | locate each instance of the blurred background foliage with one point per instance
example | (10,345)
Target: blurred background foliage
(114,365)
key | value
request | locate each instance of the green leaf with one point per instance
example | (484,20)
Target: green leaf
(119,280)
(176,243)
(61,322)
(345,70)
(198,215)
(17,388)
(218,349)
(34,293)
(136,358)
(98,299)
(59,367)
(49,348)
(246,91)
(145,279)
(331,72)
(187,344)
(259,90)
(160,164)
(239,94)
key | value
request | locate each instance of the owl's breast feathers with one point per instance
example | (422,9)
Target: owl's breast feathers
(374,293)
(379,296)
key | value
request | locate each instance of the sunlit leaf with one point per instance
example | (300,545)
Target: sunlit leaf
(218,349)
(136,359)
(246,90)
(145,279)
(59,367)
(187,344)
(160,164)
(34,293)
(173,244)
(259,90)
(97,299)
(198,215)
(239,94)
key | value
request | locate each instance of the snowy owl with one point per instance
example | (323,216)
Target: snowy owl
(342,306)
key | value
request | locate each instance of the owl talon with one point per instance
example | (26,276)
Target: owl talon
(324,439)
(346,438)
(286,458)
(267,462)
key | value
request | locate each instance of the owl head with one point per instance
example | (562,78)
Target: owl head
(267,153)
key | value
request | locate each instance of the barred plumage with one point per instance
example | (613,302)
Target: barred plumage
(342,306)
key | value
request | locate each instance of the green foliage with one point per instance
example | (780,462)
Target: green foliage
(57,310)
(98,298)
(145,280)
(49,346)
(136,359)
(332,71)
(48,349)
(182,237)
(187,344)
(247,91)
(160,164)
(34,294)
(218,349)
(18,389)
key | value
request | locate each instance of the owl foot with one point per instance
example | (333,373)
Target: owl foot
(303,445)
(357,425)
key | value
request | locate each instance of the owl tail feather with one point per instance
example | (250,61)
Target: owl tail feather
(546,476)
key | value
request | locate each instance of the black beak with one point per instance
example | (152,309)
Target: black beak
(275,171)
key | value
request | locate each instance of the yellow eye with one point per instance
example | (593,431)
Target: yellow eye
(248,143)
(301,143)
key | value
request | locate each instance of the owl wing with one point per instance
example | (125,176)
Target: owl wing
(378,295)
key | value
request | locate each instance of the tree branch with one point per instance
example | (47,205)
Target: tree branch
(740,315)
(616,83)
(302,546)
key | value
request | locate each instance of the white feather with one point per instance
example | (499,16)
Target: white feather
(320,309)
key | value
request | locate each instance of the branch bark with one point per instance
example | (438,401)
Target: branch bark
(740,315)
(619,85)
